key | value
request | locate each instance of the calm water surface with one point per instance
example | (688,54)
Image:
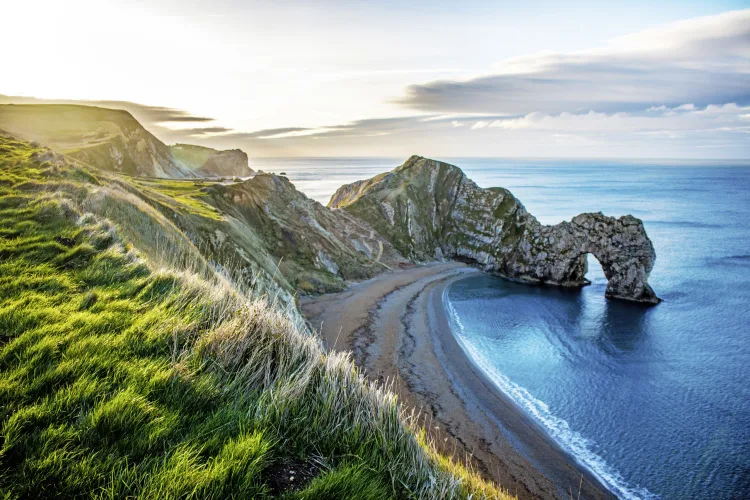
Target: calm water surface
(655,401)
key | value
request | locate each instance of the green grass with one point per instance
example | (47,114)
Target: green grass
(122,378)
(180,195)
(67,128)
(191,155)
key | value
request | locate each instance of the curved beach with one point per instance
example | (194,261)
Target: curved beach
(397,327)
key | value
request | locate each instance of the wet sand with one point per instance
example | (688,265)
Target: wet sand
(397,328)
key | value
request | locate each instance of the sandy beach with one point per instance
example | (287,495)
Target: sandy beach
(397,328)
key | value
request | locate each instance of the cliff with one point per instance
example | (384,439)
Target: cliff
(316,249)
(431,210)
(208,162)
(106,139)
(112,140)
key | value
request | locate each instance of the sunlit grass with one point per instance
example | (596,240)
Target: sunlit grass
(123,377)
(181,195)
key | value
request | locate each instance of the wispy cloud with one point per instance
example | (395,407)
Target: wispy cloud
(302,132)
(203,131)
(726,117)
(701,61)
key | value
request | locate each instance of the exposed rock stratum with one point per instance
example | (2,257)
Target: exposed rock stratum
(430,210)
(208,162)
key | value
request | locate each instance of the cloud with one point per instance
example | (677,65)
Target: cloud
(652,121)
(302,132)
(265,133)
(151,114)
(204,131)
(677,91)
(700,61)
(691,132)
(374,127)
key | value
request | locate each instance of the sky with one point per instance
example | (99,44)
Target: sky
(394,78)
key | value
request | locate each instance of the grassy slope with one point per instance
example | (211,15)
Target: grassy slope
(120,377)
(110,139)
(67,128)
(180,194)
(189,154)
(294,229)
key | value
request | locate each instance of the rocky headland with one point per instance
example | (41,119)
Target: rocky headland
(430,210)
(424,210)
(209,162)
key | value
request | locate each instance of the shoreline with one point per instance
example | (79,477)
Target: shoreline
(398,330)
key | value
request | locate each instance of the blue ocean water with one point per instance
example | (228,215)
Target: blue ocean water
(655,401)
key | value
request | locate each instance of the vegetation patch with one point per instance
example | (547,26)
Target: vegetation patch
(122,378)
(181,195)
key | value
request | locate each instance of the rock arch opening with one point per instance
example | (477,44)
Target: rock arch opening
(558,255)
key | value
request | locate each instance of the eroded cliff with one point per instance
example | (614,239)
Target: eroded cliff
(208,162)
(431,210)
(316,249)
(106,139)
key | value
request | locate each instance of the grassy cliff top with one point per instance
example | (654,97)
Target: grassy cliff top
(65,127)
(123,374)
(106,139)
(191,154)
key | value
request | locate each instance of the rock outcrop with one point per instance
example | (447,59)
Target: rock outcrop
(316,249)
(431,210)
(557,255)
(208,162)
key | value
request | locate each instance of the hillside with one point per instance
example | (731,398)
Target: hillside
(262,227)
(112,140)
(134,366)
(108,139)
(430,210)
(208,162)
(317,250)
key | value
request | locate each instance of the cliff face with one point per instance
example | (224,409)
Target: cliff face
(112,140)
(208,162)
(431,210)
(107,139)
(316,249)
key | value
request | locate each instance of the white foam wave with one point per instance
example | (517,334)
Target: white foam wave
(571,441)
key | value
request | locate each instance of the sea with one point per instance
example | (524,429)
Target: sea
(654,401)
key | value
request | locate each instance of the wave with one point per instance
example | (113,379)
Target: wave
(579,447)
